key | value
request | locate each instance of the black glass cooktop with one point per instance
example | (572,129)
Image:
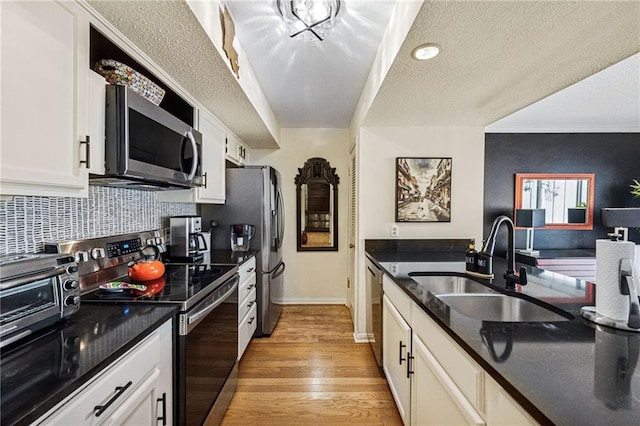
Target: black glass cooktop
(181,283)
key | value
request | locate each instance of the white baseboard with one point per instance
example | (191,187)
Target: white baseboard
(361,337)
(313,301)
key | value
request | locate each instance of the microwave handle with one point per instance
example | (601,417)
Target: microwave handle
(194,146)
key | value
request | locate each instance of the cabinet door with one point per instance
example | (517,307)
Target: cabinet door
(502,409)
(141,407)
(435,399)
(396,341)
(45,63)
(213,140)
(135,389)
(233,149)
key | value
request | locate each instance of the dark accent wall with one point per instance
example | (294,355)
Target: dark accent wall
(613,157)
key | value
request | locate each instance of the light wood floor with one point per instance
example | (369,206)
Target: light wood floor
(311,372)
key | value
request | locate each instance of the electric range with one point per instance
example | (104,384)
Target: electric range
(206,328)
(183,284)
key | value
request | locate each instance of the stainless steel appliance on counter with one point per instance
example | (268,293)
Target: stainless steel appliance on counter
(253,196)
(187,242)
(36,291)
(206,326)
(374,308)
(146,147)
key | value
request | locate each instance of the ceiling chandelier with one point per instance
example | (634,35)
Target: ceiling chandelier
(309,19)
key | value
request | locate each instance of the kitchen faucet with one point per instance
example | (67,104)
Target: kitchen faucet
(485,257)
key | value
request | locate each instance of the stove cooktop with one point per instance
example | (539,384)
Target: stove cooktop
(183,284)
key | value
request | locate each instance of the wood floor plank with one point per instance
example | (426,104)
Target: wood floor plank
(310,371)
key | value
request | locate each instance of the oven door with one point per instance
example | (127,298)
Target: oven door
(207,354)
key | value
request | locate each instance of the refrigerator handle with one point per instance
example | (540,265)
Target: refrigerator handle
(275,268)
(279,270)
(280,218)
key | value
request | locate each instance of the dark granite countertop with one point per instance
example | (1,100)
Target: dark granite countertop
(41,371)
(566,372)
(231,257)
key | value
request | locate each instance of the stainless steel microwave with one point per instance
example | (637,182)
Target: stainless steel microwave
(146,147)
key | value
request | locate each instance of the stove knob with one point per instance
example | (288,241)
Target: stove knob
(72,269)
(151,242)
(82,256)
(69,285)
(97,253)
(159,240)
(72,301)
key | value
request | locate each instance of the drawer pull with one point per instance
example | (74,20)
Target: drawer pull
(251,286)
(250,270)
(400,354)
(164,409)
(251,304)
(99,409)
(251,320)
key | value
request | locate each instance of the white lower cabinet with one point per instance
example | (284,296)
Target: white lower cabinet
(502,409)
(435,399)
(248,305)
(395,350)
(442,385)
(136,389)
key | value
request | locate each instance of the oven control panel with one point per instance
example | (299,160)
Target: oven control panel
(121,248)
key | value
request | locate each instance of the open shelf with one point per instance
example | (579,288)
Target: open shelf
(103,48)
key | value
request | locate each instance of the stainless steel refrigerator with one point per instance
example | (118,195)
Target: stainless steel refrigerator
(253,196)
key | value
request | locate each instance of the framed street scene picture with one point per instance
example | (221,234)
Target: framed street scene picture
(423,189)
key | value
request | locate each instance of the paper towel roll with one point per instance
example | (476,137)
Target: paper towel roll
(609,302)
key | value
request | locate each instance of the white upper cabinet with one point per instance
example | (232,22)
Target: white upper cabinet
(213,167)
(236,151)
(44,101)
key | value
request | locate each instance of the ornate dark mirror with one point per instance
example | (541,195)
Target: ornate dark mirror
(566,198)
(317,206)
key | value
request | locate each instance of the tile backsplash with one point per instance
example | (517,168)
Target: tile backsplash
(27,222)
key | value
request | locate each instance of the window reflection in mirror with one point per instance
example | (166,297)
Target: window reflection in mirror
(566,198)
(317,206)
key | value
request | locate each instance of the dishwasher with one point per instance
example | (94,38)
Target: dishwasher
(374,308)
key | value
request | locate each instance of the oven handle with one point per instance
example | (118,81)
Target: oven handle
(194,318)
(40,275)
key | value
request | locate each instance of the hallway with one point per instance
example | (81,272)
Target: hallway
(310,371)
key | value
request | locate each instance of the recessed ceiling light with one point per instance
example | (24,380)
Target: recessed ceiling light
(425,51)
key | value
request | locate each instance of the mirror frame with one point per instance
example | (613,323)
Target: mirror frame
(590,177)
(317,169)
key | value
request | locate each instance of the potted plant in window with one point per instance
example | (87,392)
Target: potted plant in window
(635,189)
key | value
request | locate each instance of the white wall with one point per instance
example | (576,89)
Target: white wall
(312,277)
(377,151)
(379,148)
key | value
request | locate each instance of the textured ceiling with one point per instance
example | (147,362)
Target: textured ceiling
(500,56)
(608,101)
(169,33)
(497,58)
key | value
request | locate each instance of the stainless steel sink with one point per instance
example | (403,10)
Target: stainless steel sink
(446,284)
(500,307)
